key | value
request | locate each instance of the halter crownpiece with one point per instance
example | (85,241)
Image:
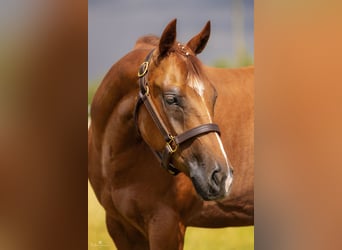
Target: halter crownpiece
(183,49)
(172,142)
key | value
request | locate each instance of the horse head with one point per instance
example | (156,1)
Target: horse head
(177,120)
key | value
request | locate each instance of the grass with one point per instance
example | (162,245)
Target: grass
(98,238)
(195,238)
(241,238)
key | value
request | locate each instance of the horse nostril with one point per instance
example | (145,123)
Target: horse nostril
(215,177)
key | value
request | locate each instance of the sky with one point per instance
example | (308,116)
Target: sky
(115,25)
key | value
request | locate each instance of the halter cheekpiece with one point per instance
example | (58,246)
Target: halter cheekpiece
(172,142)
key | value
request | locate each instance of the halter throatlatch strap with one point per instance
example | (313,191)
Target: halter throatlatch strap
(172,142)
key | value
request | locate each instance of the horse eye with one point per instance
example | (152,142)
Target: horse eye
(171,99)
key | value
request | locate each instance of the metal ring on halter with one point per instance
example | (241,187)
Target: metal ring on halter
(170,143)
(147,89)
(143,69)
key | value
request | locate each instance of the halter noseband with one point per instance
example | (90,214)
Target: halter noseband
(172,142)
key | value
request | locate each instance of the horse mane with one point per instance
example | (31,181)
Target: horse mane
(147,42)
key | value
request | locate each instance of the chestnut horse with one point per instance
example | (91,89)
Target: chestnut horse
(167,115)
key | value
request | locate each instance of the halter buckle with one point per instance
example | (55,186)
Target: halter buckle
(171,145)
(147,91)
(143,69)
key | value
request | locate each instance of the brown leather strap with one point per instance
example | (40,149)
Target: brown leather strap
(165,161)
(179,139)
(201,129)
(154,115)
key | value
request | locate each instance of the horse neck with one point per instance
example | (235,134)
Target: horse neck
(120,133)
(225,79)
(119,82)
(121,146)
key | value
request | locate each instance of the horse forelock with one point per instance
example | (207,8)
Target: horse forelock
(195,75)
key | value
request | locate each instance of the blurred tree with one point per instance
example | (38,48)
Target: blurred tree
(221,63)
(242,57)
(243,60)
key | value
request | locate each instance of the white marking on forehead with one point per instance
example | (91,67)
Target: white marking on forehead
(196,84)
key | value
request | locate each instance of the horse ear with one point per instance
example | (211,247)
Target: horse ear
(198,42)
(168,38)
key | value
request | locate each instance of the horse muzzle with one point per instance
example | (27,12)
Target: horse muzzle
(214,184)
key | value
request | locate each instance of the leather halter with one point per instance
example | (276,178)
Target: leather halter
(172,142)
